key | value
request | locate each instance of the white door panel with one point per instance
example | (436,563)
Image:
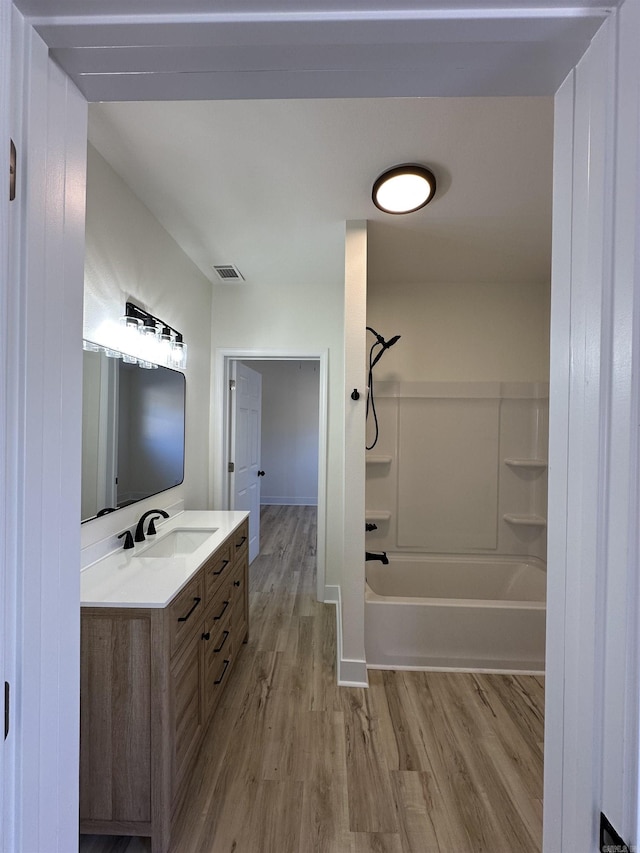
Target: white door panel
(246,416)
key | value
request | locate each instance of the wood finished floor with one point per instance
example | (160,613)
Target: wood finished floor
(418,763)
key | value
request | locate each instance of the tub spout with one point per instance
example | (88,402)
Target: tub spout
(369,555)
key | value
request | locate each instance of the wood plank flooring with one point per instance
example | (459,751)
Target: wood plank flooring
(418,763)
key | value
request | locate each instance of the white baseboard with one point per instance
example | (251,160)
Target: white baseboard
(266,500)
(351,673)
(332,595)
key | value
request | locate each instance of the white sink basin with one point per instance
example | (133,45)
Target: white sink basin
(182,540)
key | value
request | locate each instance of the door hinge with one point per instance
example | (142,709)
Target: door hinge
(13,157)
(232,385)
(231,469)
(7,697)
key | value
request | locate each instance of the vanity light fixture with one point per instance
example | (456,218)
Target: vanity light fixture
(404,189)
(151,341)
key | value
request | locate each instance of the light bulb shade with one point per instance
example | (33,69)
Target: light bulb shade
(179,352)
(149,328)
(404,189)
(130,324)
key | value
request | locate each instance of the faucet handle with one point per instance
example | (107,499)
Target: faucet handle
(128,539)
(151,529)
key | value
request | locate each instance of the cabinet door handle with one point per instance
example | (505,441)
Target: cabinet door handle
(241,542)
(226,664)
(224,640)
(219,616)
(207,636)
(224,565)
(236,583)
(196,602)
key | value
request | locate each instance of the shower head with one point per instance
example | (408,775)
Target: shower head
(384,346)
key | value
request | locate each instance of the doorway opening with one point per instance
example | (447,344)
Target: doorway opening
(226,360)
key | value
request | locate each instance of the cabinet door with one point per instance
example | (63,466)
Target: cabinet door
(115,723)
(188,712)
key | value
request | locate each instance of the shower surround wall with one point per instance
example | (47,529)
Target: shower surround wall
(459,468)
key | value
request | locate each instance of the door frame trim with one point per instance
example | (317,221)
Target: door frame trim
(221,426)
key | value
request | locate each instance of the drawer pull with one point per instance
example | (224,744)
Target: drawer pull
(236,583)
(219,680)
(241,542)
(219,616)
(222,567)
(224,640)
(207,636)
(196,602)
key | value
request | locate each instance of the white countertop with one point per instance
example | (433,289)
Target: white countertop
(129,579)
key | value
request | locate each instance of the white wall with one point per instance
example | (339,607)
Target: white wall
(130,256)
(466,332)
(289,452)
(274,313)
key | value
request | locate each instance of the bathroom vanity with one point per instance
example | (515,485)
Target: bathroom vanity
(161,628)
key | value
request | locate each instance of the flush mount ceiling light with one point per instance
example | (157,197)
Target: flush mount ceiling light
(404,189)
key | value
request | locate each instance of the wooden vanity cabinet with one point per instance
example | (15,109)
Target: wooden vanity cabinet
(151,679)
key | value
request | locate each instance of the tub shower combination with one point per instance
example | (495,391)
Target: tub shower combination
(456,495)
(468,613)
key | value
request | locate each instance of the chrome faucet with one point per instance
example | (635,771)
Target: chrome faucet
(157,513)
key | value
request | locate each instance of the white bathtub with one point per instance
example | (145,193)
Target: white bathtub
(484,614)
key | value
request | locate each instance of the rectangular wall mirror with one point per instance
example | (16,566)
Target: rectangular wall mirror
(132,432)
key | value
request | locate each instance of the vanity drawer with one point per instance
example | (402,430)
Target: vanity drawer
(185,613)
(220,608)
(216,569)
(241,539)
(218,657)
(240,598)
(218,661)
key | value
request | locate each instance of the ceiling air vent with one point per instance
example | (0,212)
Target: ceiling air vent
(228,273)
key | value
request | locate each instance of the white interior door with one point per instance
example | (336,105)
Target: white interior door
(245,474)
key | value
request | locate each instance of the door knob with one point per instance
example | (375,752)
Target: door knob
(260,473)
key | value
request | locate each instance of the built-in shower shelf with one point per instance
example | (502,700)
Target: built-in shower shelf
(376,515)
(535,464)
(525,520)
(379,460)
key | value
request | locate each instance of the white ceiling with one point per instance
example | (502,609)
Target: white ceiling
(237,176)
(253,183)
